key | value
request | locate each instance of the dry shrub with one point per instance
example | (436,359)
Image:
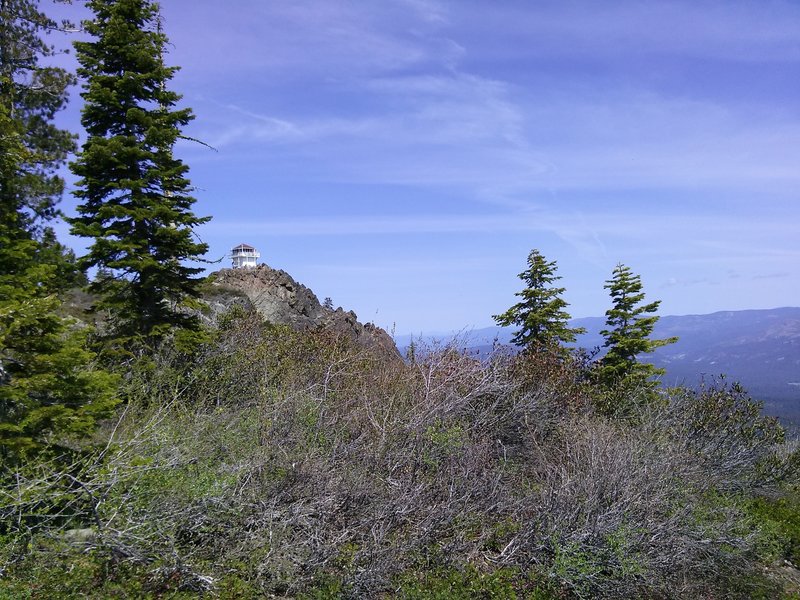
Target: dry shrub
(295,461)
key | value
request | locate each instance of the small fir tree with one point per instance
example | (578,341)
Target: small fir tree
(135,195)
(540,314)
(627,333)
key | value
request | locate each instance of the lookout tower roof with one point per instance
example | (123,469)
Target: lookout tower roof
(243,247)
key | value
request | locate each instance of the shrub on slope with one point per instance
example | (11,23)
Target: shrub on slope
(275,462)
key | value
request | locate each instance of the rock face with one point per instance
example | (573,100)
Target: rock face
(280,299)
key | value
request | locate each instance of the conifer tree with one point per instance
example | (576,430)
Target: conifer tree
(629,324)
(135,194)
(52,252)
(31,94)
(540,314)
(48,388)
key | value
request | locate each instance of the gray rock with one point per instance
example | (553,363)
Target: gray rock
(84,536)
(278,298)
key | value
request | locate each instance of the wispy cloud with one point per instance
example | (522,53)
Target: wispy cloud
(459,129)
(588,227)
(750,32)
(300,37)
(398,268)
(380,225)
(430,10)
(772,276)
(676,282)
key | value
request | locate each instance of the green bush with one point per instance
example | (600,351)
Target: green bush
(781,517)
(469,583)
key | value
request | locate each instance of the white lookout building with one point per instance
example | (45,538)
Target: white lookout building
(244,256)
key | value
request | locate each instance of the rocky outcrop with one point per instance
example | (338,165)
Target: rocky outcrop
(277,297)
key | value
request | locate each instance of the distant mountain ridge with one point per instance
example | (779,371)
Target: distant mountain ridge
(758,348)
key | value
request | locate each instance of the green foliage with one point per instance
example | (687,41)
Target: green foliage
(33,148)
(52,393)
(750,579)
(67,274)
(615,556)
(443,441)
(725,429)
(54,569)
(467,583)
(540,314)
(60,568)
(781,516)
(49,391)
(627,335)
(135,195)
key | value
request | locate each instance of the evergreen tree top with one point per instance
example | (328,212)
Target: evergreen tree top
(627,311)
(136,197)
(125,73)
(540,314)
(629,324)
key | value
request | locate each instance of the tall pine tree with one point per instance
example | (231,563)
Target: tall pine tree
(136,201)
(540,314)
(629,325)
(49,391)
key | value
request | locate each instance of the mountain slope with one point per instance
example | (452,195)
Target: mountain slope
(759,348)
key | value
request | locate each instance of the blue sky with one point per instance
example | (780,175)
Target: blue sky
(403,156)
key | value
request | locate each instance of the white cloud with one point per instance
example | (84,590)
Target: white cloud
(294,38)
(430,10)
